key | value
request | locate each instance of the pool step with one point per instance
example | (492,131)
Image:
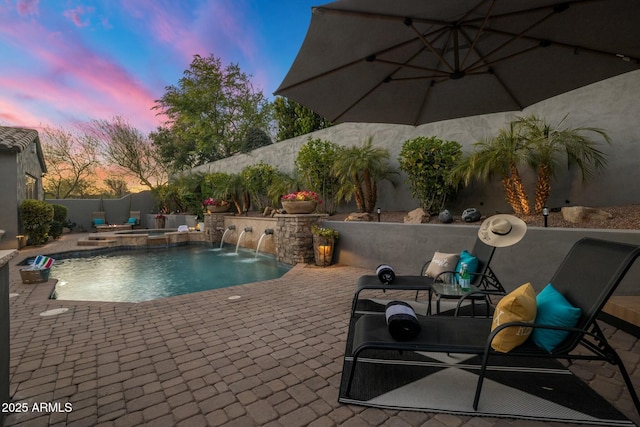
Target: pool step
(157,240)
(97,242)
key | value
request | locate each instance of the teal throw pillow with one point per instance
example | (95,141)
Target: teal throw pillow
(132,221)
(553,310)
(470,260)
(98,221)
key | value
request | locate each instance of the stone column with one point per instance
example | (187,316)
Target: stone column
(295,241)
(214,227)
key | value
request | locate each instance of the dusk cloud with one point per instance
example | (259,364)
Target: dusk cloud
(75,62)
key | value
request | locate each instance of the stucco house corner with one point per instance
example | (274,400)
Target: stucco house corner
(22,167)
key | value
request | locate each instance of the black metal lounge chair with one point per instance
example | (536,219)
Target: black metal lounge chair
(484,278)
(98,218)
(587,278)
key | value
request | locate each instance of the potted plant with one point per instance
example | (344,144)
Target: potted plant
(324,240)
(160,220)
(215,205)
(300,202)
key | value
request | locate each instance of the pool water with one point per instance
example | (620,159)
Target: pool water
(143,275)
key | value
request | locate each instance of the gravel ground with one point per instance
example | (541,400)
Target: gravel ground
(623,218)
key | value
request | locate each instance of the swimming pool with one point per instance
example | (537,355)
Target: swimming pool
(146,274)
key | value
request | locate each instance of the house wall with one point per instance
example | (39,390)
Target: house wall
(611,105)
(14,166)
(8,200)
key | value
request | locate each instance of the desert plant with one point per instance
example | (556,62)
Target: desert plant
(256,179)
(428,162)
(59,221)
(36,217)
(359,169)
(531,142)
(502,155)
(553,145)
(315,167)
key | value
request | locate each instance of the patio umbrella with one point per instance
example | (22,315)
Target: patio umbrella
(420,61)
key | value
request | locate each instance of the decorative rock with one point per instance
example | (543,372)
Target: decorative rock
(578,214)
(445,217)
(359,216)
(471,215)
(416,216)
(268,211)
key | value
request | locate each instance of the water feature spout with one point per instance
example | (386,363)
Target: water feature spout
(268,231)
(229,229)
(246,230)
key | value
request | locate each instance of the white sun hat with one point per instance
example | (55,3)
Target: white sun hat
(502,230)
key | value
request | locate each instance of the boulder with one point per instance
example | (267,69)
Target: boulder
(416,216)
(578,214)
(471,215)
(359,216)
(268,211)
(445,217)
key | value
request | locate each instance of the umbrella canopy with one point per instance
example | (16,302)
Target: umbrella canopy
(419,61)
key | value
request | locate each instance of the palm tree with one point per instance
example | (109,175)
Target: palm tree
(502,156)
(359,169)
(550,145)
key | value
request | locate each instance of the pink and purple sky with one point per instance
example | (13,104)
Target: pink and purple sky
(67,61)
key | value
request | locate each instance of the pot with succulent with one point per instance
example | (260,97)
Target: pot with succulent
(324,241)
(215,205)
(300,202)
(160,220)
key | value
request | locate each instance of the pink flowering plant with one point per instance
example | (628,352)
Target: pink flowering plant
(301,196)
(210,201)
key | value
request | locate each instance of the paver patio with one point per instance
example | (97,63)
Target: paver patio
(270,358)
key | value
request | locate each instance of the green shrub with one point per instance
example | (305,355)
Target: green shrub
(58,223)
(36,217)
(428,162)
(315,167)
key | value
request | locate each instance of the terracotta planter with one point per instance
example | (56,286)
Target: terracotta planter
(299,206)
(217,209)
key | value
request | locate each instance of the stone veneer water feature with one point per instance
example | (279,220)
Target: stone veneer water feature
(291,241)
(288,237)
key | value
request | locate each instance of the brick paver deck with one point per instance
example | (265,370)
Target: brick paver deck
(270,358)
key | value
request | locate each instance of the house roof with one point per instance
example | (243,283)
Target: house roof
(18,139)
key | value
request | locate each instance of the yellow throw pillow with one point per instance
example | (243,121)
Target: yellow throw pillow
(440,263)
(517,306)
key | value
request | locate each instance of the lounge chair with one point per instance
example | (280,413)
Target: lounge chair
(98,218)
(484,278)
(134,219)
(587,277)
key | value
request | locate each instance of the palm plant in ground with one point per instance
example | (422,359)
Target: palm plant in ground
(359,169)
(534,142)
(502,156)
(550,145)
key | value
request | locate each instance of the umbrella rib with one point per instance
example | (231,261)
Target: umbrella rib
(428,44)
(574,47)
(370,15)
(479,33)
(513,38)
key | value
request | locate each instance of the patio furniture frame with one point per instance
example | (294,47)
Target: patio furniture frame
(587,277)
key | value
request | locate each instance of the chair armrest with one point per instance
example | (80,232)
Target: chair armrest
(487,293)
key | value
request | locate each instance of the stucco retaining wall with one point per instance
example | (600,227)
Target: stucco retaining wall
(611,105)
(406,247)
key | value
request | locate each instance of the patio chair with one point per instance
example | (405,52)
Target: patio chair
(587,277)
(134,219)
(484,278)
(98,218)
